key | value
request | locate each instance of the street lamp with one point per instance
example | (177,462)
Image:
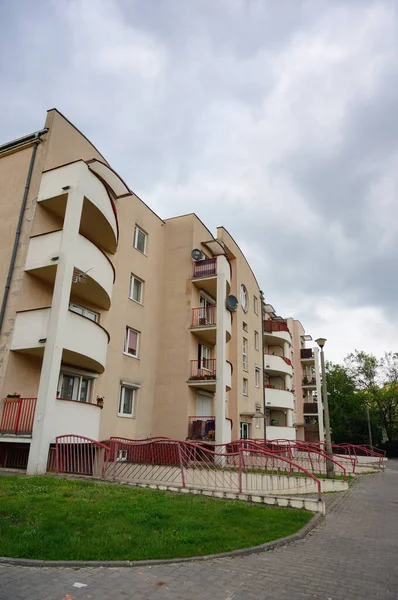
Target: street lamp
(329,452)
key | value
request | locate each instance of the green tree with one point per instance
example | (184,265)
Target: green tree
(347,407)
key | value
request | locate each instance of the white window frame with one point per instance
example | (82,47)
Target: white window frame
(205,357)
(257,375)
(84,312)
(245,386)
(244,425)
(138,230)
(131,387)
(255,304)
(256,340)
(244,354)
(78,377)
(244,298)
(133,278)
(128,329)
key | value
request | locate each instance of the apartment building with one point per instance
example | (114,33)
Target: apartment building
(115,322)
(292,380)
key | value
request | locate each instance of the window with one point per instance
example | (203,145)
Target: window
(136,289)
(204,357)
(255,304)
(244,325)
(244,354)
(256,340)
(244,300)
(121,455)
(85,312)
(257,373)
(131,343)
(127,401)
(140,239)
(245,431)
(245,386)
(74,387)
(207,312)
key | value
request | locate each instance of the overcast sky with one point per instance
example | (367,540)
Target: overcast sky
(277,120)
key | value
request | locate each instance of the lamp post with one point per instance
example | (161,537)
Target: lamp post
(329,452)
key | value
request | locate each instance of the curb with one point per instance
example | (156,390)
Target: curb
(299,535)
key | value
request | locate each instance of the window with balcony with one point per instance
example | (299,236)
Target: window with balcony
(244,354)
(85,312)
(74,387)
(136,289)
(245,387)
(131,343)
(244,298)
(256,340)
(255,304)
(257,374)
(127,401)
(204,356)
(140,239)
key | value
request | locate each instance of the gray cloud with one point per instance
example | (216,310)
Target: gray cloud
(276,120)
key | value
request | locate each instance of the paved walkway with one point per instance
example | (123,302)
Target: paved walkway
(351,555)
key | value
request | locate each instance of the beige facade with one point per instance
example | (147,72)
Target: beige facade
(106,301)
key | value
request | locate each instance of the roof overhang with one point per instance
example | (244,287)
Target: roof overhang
(215,247)
(109,177)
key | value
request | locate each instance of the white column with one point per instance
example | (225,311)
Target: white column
(289,418)
(47,393)
(223,433)
(319,395)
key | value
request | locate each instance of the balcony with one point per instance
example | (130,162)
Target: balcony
(276,331)
(17,417)
(203,373)
(309,382)
(307,356)
(310,408)
(276,365)
(203,323)
(98,283)
(201,428)
(84,342)
(276,432)
(205,275)
(275,398)
(98,219)
(83,418)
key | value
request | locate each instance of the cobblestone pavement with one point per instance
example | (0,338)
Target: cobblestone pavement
(351,555)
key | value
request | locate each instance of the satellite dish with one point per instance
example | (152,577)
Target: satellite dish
(197,254)
(231,302)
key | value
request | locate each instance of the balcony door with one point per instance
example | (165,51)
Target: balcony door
(206,310)
(204,405)
(204,355)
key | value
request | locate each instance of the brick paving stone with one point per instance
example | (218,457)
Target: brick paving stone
(351,555)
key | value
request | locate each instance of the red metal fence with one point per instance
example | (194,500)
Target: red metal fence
(205,268)
(18,416)
(79,455)
(271,326)
(205,316)
(204,369)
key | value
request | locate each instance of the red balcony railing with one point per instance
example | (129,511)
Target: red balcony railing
(18,415)
(287,360)
(201,428)
(310,408)
(306,353)
(205,268)
(204,369)
(205,316)
(271,326)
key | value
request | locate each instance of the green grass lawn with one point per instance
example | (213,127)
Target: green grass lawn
(61,519)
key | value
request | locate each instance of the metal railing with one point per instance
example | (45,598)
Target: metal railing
(202,370)
(75,454)
(308,381)
(201,428)
(272,326)
(18,416)
(205,316)
(310,408)
(205,268)
(240,467)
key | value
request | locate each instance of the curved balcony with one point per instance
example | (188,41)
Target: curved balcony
(204,323)
(274,332)
(82,418)
(98,220)
(275,432)
(84,342)
(98,284)
(205,274)
(275,365)
(228,375)
(275,398)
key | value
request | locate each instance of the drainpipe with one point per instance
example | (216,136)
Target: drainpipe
(9,146)
(263,362)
